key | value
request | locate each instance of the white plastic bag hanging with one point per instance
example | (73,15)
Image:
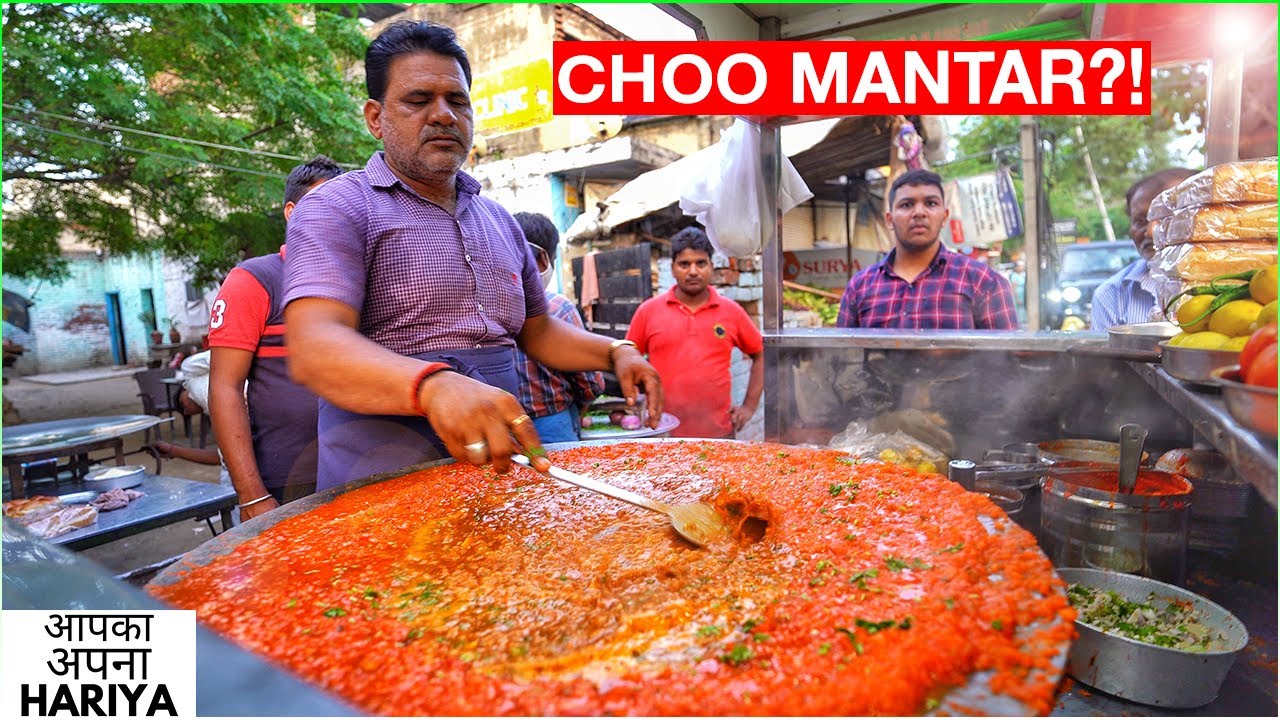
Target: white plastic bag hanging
(730,200)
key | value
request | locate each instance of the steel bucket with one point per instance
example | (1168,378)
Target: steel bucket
(1082,526)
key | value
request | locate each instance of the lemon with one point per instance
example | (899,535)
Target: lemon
(1176,340)
(1191,309)
(1205,341)
(1263,285)
(1267,316)
(1235,344)
(1234,318)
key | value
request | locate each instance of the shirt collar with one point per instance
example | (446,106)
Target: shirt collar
(1135,272)
(713,297)
(939,261)
(380,176)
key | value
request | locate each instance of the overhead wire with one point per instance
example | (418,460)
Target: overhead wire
(127,148)
(173,138)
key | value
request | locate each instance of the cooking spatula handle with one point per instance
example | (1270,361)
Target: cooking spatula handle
(583,481)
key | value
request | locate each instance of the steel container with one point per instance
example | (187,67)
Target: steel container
(1195,365)
(1083,526)
(1145,673)
(1253,406)
(1141,336)
(110,478)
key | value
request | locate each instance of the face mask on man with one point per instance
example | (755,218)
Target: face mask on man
(547,276)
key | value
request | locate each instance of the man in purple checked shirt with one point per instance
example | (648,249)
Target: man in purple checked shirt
(407,291)
(921,285)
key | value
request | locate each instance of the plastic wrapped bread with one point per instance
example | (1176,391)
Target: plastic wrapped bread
(1163,205)
(1241,181)
(1179,267)
(1216,223)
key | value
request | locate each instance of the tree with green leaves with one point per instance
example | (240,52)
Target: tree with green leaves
(169,128)
(1123,148)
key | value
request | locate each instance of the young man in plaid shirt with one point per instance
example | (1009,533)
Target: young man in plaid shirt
(554,399)
(921,285)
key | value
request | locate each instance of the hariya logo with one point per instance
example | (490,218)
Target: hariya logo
(720,331)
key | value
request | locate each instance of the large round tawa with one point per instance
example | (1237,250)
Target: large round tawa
(849,589)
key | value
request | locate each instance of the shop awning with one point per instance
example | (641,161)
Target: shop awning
(821,151)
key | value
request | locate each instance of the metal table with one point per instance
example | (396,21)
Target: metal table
(73,438)
(230,681)
(167,500)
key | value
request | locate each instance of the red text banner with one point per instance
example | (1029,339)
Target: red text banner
(785,78)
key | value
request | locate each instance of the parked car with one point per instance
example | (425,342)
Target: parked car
(1081,269)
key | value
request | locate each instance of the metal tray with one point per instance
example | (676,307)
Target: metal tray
(1145,673)
(1141,336)
(613,432)
(1195,365)
(110,478)
(1252,406)
(974,696)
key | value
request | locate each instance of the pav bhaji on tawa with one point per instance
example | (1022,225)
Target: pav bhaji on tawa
(848,589)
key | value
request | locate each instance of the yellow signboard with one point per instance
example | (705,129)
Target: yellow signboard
(513,99)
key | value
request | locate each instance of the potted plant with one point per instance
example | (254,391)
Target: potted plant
(148,319)
(174,335)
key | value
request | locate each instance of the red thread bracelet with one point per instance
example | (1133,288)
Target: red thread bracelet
(427,371)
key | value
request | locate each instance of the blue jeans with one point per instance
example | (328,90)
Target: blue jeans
(561,427)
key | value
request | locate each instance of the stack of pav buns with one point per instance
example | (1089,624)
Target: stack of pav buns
(1220,221)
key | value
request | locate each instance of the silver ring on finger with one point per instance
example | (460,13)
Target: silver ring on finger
(477,452)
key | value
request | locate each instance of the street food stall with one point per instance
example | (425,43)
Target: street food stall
(986,396)
(851,578)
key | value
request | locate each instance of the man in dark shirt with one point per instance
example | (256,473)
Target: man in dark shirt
(921,285)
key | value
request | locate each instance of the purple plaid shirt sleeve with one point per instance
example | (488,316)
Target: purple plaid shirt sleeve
(546,392)
(422,280)
(953,293)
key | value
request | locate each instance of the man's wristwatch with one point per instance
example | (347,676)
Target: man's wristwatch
(613,348)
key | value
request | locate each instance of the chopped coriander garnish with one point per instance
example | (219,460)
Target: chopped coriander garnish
(874,627)
(738,655)
(709,631)
(334,612)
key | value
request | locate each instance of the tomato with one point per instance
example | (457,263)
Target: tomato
(1262,371)
(1261,338)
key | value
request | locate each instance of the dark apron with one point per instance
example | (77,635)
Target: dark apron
(354,446)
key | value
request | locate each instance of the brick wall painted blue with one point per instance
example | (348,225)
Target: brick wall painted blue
(69,321)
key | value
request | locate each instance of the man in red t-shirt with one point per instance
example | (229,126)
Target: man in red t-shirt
(267,430)
(689,333)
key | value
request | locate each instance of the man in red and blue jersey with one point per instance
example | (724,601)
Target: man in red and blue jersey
(921,285)
(555,399)
(267,431)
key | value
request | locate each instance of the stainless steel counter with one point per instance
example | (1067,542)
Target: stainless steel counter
(987,389)
(1253,456)
(986,340)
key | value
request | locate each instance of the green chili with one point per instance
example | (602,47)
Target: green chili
(1235,293)
(1246,276)
(1224,296)
(1189,292)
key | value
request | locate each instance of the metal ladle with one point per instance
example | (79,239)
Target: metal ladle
(1132,437)
(697,522)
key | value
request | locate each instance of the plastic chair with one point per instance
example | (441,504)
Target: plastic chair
(158,400)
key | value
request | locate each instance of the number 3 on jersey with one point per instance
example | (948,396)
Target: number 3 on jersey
(219,314)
